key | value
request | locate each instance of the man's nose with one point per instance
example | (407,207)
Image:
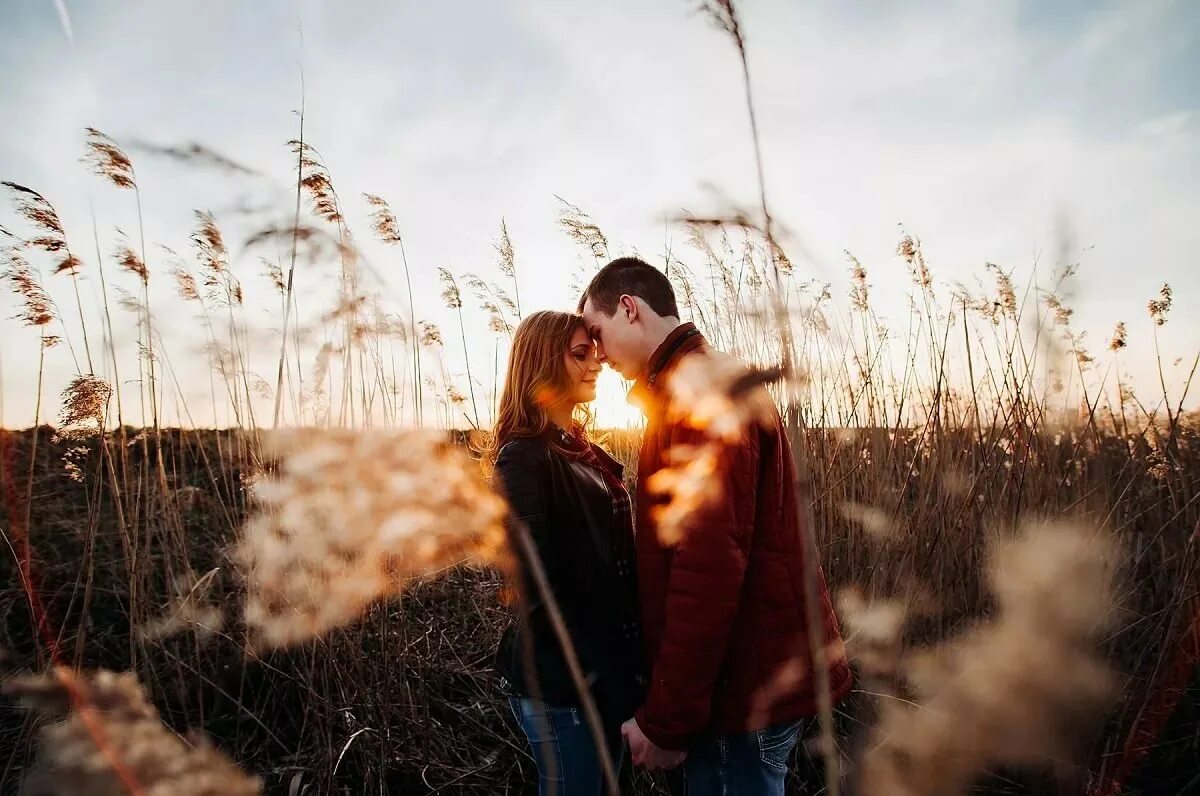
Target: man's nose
(601,357)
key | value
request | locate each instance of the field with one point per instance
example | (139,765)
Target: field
(404,700)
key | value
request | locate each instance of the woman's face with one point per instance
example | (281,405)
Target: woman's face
(582,367)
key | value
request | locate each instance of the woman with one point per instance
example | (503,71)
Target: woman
(568,492)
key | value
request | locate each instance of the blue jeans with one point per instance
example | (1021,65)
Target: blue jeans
(744,764)
(564,748)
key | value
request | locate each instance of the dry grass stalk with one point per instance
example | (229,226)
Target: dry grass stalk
(37,308)
(508,264)
(910,249)
(37,210)
(580,228)
(223,287)
(494,301)
(185,284)
(197,153)
(191,609)
(1119,338)
(388,230)
(1005,303)
(1013,691)
(860,290)
(383,220)
(273,271)
(873,519)
(1159,307)
(85,405)
(874,635)
(129,261)
(107,740)
(315,179)
(107,159)
(351,517)
(71,460)
(451,295)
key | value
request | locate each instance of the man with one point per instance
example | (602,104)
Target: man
(732,685)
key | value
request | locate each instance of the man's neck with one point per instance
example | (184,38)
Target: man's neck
(657,331)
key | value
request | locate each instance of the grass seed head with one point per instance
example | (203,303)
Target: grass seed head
(107,740)
(351,517)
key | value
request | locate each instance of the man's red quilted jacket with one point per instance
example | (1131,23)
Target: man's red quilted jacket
(723,608)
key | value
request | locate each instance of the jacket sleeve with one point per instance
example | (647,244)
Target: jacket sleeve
(522,473)
(703,592)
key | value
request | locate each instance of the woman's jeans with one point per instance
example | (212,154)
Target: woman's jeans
(564,748)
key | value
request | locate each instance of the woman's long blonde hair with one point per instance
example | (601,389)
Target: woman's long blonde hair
(536,379)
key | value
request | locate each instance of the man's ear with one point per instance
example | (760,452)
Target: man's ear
(628,308)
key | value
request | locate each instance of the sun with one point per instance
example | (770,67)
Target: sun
(610,408)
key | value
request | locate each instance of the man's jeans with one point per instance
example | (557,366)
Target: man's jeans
(745,764)
(564,748)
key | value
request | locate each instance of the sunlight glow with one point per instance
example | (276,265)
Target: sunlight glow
(610,407)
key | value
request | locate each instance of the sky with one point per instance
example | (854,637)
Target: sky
(985,128)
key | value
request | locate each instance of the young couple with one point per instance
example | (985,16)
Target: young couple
(696,652)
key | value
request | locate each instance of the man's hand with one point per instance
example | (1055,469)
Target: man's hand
(645,753)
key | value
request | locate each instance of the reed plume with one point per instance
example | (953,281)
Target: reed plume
(195,153)
(1006,295)
(980,701)
(52,238)
(315,179)
(1119,337)
(85,405)
(431,334)
(273,271)
(860,290)
(496,303)
(351,517)
(37,308)
(107,740)
(107,160)
(720,399)
(580,228)
(387,229)
(452,296)
(214,260)
(131,263)
(1161,306)
(508,262)
(910,249)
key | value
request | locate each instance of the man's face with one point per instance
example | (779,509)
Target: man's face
(617,337)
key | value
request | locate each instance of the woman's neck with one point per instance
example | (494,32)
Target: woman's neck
(562,416)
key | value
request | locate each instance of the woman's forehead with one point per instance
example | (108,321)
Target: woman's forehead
(580,337)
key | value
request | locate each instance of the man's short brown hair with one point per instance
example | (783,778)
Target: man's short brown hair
(634,277)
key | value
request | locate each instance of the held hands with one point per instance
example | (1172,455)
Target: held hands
(645,753)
